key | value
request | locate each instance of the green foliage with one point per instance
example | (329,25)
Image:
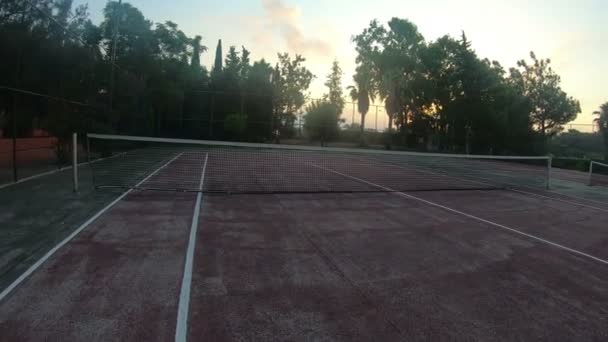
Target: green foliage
(217,65)
(578,164)
(233,62)
(437,93)
(197,50)
(576,144)
(363,92)
(172,42)
(290,80)
(602,124)
(258,103)
(441,93)
(321,121)
(237,64)
(394,55)
(132,32)
(551,107)
(235,125)
(334,87)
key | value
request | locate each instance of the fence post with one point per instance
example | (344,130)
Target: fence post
(376,118)
(88,150)
(211,115)
(14,137)
(549,168)
(75,160)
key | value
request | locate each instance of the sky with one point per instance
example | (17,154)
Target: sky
(573,34)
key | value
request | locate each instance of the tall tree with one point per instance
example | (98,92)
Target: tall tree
(236,65)
(135,41)
(551,106)
(290,80)
(245,62)
(217,65)
(258,105)
(232,64)
(334,87)
(395,57)
(173,43)
(197,50)
(321,121)
(362,93)
(602,124)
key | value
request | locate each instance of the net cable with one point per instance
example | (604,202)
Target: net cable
(241,168)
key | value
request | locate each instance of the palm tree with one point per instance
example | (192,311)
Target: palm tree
(602,123)
(359,95)
(390,91)
(362,92)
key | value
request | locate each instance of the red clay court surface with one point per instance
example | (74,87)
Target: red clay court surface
(460,265)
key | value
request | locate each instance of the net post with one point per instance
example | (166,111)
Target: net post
(549,168)
(75,160)
(589,181)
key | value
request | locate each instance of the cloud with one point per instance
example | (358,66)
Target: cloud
(285,19)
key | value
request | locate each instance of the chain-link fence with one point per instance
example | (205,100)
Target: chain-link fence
(36,130)
(376,119)
(583,128)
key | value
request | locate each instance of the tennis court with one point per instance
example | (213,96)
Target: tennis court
(235,243)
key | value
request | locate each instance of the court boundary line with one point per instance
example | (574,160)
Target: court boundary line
(510,188)
(52,172)
(183,308)
(576,197)
(476,218)
(69,238)
(561,199)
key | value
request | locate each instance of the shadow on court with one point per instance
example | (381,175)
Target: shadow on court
(39,213)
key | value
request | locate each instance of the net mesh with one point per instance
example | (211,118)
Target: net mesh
(598,174)
(221,167)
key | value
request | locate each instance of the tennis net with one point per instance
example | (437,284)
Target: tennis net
(228,167)
(598,174)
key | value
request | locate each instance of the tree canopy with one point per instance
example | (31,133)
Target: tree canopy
(551,107)
(334,87)
(602,124)
(440,93)
(134,76)
(363,92)
(321,121)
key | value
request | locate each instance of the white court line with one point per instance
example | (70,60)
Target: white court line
(181,328)
(50,253)
(576,197)
(437,205)
(48,173)
(509,188)
(563,200)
